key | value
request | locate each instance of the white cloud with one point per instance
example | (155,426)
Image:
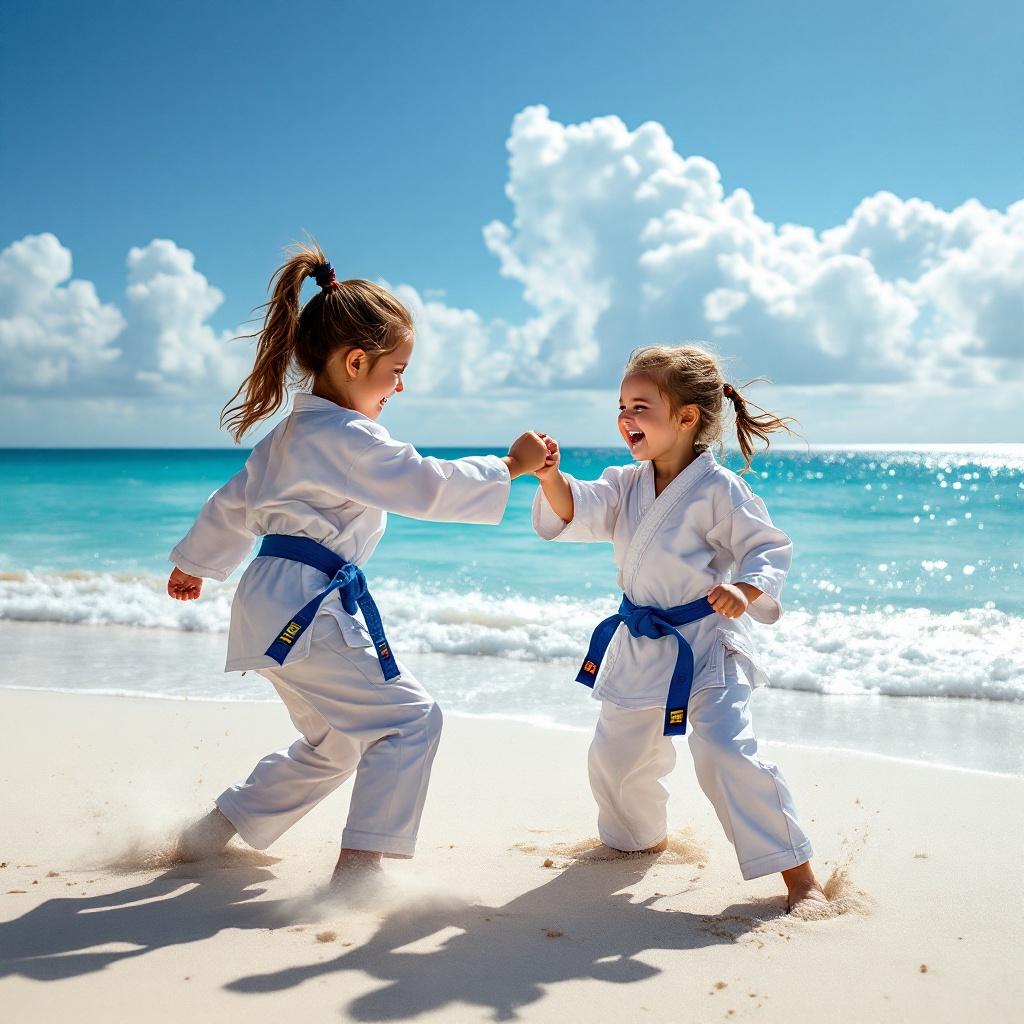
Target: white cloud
(170,343)
(976,295)
(446,340)
(56,336)
(53,330)
(616,240)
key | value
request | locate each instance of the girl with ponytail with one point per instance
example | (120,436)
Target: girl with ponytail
(698,557)
(316,490)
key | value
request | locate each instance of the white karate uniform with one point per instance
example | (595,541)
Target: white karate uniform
(332,474)
(705,528)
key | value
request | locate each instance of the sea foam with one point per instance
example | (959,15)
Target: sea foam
(909,652)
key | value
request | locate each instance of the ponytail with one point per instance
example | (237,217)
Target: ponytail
(749,427)
(296,342)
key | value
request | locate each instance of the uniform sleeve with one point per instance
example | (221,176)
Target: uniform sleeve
(391,475)
(219,539)
(595,505)
(761,552)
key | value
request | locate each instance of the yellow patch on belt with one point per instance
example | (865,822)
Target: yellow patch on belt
(290,632)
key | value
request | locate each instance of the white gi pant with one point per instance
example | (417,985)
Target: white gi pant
(630,756)
(351,721)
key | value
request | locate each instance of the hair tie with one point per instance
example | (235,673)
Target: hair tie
(729,391)
(324,275)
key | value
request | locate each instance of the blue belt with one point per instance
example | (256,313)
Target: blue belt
(347,579)
(645,620)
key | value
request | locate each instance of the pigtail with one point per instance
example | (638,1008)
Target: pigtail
(265,388)
(758,425)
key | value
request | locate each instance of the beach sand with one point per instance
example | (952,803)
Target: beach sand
(501,915)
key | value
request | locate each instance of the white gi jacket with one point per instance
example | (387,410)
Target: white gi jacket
(706,527)
(330,474)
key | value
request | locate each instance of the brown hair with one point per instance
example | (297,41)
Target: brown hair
(688,375)
(295,344)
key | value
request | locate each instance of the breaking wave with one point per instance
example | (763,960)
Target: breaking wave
(909,652)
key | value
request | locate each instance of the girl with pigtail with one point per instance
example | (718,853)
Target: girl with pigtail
(317,490)
(697,557)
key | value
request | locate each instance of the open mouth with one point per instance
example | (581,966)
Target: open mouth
(635,437)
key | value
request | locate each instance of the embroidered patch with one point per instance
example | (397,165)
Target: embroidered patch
(289,633)
(589,667)
(676,716)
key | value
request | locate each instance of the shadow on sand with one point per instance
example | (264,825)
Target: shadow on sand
(185,904)
(580,924)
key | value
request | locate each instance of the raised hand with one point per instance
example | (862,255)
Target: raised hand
(527,454)
(550,467)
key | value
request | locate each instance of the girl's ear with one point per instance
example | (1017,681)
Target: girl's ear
(355,360)
(689,417)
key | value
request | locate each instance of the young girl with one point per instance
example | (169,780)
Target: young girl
(697,554)
(317,489)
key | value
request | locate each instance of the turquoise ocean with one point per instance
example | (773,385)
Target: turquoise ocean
(906,595)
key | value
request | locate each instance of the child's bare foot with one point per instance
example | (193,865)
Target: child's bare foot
(805,896)
(207,837)
(357,863)
(358,876)
(657,848)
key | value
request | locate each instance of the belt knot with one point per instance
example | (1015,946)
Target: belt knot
(645,621)
(351,583)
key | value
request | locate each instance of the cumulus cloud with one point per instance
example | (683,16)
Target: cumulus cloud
(617,240)
(57,337)
(456,349)
(52,329)
(168,303)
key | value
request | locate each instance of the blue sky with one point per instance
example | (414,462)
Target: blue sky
(228,129)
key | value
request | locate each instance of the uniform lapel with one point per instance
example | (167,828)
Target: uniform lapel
(654,510)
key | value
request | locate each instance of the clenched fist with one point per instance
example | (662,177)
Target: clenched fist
(183,587)
(728,600)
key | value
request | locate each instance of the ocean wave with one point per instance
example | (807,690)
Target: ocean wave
(909,652)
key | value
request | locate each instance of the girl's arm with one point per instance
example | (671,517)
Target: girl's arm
(393,476)
(554,483)
(558,492)
(217,541)
(762,554)
(568,509)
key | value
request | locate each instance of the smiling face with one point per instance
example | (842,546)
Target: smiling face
(384,379)
(356,382)
(647,423)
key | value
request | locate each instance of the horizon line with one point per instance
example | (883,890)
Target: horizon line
(865,446)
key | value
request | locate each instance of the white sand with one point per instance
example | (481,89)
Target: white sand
(476,927)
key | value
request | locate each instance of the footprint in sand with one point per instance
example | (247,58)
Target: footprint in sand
(683,848)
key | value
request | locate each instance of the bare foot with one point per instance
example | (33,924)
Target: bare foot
(357,863)
(805,896)
(206,838)
(657,848)
(358,876)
